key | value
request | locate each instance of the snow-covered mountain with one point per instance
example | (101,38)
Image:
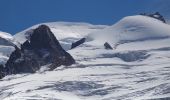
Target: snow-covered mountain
(65,32)
(138,67)
(132,29)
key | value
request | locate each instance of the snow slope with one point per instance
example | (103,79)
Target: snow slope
(6,35)
(137,69)
(6,46)
(132,28)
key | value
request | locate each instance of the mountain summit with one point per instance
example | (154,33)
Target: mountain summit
(42,49)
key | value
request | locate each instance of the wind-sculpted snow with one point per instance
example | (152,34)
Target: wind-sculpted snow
(129,56)
(137,69)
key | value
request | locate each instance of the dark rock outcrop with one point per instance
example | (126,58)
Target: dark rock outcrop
(77,43)
(107,46)
(2,70)
(26,45)
(43,48)
(155,15)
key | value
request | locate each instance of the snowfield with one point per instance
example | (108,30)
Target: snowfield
(138,68)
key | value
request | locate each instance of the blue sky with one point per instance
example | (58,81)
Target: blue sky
(16,15)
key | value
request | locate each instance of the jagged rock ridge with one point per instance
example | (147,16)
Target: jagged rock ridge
(155,15)
(77,43)
(43,48)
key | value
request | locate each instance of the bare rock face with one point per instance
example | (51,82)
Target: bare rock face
(107,46)
(2,70)
(43,48)
(77,43)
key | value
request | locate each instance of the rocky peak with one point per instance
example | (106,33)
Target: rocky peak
(42,37)
(43,48)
